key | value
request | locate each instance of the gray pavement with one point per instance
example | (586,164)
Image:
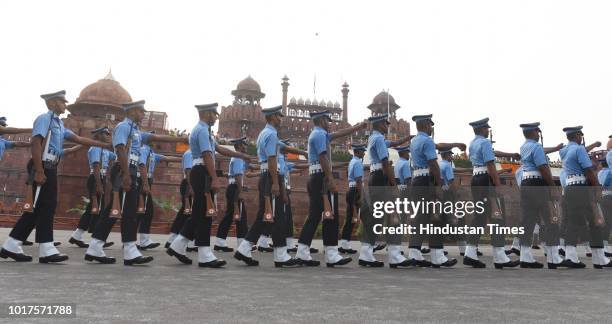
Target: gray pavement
(166,292)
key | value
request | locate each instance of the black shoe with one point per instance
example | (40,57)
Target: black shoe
(216,263)
(535,247)
(27,243)
(292,250)
(57,243)
(181,257)
(192,249)
(253,248)
(138,260)
(78,243)
(589,254)
(608,254)
(108,244)
(223,248)
(474,263)
(421,263)
(57,257)
(148,247)
(346,251)
(249,261)
(309,263)
(531,265)
(425,250)
(509,264)
(513,250)
(292,262)
(167,245)
(448,263)
(380,247)
(372,264)
(19,257)
(404,264)
(561,252)
(340,262)
(570,264)
(265,249)
(478,253)
(103,259)
(553,266)
(313,250)
(601,266)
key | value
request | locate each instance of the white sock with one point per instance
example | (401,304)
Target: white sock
(190,244)
(331,254)
(220,242)
(345,244)
(415,254)
(12,245)
(437,256)
(78,234)
(461,245)
(130,251)
(303,252)
(245,248)
(96,248)
(471,251)
(145,239)
(499,255)
(172,237)
(606,247)
(179,245)
(571,254)
(205,254)
(47,249)
(281,255)
(239,241)
(587,248)
(263,241)
(601,257)
(516,243)
(394,255)
(526,255)
(289,242)
(366,253)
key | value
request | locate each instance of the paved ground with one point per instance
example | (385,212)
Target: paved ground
(169,292)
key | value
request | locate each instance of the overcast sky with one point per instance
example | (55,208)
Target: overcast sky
(512,61)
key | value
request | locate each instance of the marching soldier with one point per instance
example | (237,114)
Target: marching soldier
(127,140)
(536,199)
(353,197)
(485,179)
(148,161)
(270,218)
(322,187)
(235,210)
(48,135)
(605,179)
(99,160)
(580,179)
(425,178)
(205,184)
(186,200)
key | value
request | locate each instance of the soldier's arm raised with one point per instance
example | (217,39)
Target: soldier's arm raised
(13,130)
(348,131)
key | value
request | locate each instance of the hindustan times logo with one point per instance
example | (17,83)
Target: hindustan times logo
(414,208)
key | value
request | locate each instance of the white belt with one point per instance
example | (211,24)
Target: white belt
(134,159)
(480,170)
(231,180)
(531,175)
(314,168)
(352,184)
(607,192)
(198,161)
(420,172)
(402,187)
(375,167)
(50,158)
(263,167)
(576,179)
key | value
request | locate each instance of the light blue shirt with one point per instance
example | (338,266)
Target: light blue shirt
(96,154)
(122,132)
(481,151)
(575,158)
(446,171)
(518,176)
(355,169)
(145,152)
(237,166)
(378,147)
(282,164)
(605,178)
(201,141)
(563,178)
(609,158)
(187,160)
(402,170)
(267,143)
(5,144)
(59,133)
(532,155)
(422,150)
(318,142)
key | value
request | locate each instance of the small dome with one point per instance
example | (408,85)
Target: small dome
(315,102)
(336,105)
(381,98)
(330,104)
(300,101)
(248,84)
(292,100)
(308,102)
